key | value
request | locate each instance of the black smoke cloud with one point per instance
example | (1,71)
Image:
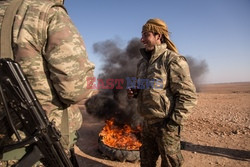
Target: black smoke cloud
(118,64)
(198,70)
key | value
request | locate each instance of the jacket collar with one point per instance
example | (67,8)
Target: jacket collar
(158,51)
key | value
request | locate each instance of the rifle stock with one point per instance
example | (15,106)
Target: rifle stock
(41,134)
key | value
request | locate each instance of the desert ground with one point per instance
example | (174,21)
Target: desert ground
(217,132)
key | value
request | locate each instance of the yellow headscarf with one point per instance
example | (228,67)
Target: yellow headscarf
(159,26)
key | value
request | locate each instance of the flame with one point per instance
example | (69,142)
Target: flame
(120,137)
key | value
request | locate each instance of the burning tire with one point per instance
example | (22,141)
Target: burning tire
(120,142)
(118,154)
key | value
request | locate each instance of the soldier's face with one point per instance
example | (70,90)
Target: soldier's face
(149,40)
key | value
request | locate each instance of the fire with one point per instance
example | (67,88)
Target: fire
(120,137)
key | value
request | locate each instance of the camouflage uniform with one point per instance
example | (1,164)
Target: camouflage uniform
(164,108)
(53,56)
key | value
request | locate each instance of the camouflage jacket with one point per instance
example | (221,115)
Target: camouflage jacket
(172,93)
(53,56)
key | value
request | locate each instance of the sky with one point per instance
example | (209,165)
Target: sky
(214,31)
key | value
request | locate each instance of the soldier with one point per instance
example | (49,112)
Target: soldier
(53,57)
(165,105)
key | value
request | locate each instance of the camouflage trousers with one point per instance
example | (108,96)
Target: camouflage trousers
(162,138)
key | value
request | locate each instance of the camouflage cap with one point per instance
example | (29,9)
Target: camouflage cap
(159,26)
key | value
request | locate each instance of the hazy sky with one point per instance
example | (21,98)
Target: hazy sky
(217,31)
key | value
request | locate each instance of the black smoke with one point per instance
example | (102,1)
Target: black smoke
(198,70)
(120,63)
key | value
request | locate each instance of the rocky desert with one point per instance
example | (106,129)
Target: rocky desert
(216,134)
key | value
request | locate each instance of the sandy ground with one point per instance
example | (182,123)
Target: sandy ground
(216,134)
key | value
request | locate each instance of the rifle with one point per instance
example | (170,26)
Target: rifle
(42,136)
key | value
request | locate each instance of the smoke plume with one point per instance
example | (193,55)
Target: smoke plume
(198,70)
(118,64)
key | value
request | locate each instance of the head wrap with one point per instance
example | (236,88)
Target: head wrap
(159,26)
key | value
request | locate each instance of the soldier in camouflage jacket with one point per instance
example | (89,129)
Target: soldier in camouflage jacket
(53,56)
(165,94)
